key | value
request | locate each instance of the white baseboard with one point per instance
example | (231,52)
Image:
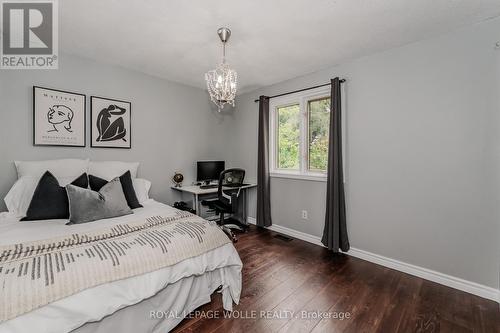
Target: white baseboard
(290,232)
(424,273)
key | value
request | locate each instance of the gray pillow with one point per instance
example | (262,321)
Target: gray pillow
(86,205)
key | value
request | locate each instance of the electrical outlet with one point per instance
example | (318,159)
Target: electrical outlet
(304,214)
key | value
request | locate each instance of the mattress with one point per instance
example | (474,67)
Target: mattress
(95,303)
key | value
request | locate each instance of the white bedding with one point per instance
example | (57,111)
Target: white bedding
(95,303)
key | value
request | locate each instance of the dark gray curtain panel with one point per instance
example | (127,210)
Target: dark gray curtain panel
(263,180)
(335,230)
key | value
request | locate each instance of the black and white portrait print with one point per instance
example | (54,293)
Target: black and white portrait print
(110,123)
(58,118)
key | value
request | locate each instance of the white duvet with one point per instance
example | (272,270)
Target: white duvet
(95,303)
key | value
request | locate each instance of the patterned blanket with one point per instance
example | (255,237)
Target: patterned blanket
(35,274)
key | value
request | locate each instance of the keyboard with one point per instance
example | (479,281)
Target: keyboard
(204,187)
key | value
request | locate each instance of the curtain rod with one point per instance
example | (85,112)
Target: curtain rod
(296,91)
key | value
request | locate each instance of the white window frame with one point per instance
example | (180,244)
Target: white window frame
(302,99)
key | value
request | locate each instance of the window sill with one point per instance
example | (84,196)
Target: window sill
(316,178)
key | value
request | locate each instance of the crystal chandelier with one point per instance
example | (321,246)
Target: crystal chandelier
(222,81)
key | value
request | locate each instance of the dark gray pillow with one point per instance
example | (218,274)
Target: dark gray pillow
(50,200)
(86,205)
(97,183)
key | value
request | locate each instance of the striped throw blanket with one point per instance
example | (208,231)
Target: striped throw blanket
(37,273)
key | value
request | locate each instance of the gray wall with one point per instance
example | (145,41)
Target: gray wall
(422,154)
(172,125)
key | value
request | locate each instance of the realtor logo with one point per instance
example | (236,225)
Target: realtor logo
(29,34)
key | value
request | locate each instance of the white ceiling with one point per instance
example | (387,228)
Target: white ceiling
(272,40)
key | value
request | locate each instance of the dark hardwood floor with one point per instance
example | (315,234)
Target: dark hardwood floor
(308,280)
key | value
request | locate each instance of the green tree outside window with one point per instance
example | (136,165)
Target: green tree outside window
(319,125)
(288,137)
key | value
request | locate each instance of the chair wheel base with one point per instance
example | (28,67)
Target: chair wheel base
(229,234)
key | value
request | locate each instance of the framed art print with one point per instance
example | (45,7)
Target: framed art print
(58,118)
(110,123)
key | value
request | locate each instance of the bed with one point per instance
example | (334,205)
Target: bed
(155,301)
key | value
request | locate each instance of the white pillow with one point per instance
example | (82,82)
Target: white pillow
(142,187)
(65,170)
(112,169)
(19,197)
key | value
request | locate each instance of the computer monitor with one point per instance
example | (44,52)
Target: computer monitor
(209,170)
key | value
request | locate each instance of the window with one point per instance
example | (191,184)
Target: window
(288,137)
(318,112)
(299,135)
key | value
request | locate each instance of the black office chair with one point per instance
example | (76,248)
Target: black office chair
(228,192)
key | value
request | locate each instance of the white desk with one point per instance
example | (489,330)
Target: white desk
(196,193)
